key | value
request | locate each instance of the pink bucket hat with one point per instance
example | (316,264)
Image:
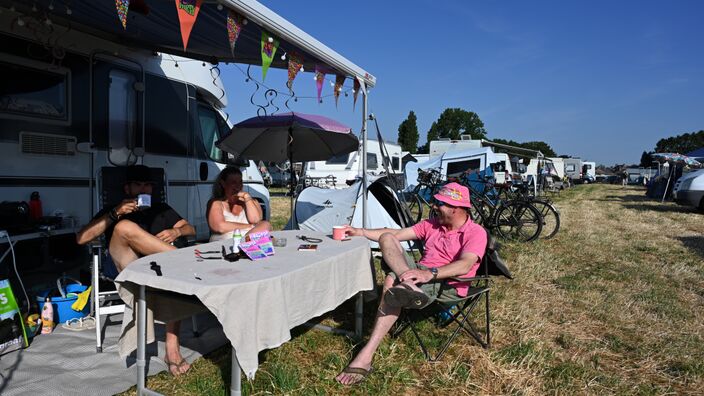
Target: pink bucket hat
(454,194)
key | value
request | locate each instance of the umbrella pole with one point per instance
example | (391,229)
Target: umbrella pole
(291,180)
(364,158)
(667,185)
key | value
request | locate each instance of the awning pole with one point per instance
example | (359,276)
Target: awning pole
(364,158)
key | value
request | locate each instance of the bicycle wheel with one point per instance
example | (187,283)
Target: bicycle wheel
(551,218)
(414,206)
(518,221)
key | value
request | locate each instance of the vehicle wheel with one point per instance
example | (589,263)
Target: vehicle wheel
(414,207)
(518,221)
(551,218)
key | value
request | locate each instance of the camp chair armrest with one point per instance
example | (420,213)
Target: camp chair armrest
(467,279)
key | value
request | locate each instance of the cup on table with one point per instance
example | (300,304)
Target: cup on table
(279,242)
(338,233)
(144,201)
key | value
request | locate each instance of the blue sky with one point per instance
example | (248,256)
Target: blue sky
(600,80)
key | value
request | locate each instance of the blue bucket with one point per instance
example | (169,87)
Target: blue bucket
(62,306)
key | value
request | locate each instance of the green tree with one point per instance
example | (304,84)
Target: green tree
(408,133)
(455,122)
(645,159)
(681,143)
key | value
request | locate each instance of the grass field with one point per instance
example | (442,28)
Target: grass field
(614,304)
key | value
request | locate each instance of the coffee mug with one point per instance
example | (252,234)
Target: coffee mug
(144,201)
(338,233)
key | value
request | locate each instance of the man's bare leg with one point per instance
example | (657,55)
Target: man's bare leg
(129,241)
(386,316)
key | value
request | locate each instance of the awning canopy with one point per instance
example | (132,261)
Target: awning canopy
(154,25)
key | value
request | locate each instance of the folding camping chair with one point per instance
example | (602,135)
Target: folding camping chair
(110,191)
(491,265)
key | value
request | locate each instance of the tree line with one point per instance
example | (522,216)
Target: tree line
(681,144)
(453,123)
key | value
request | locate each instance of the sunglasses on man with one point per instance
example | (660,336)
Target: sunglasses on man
(439,203)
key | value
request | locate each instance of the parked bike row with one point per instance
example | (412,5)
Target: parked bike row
(509,211)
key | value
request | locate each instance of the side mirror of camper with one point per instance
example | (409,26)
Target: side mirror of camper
(239,161)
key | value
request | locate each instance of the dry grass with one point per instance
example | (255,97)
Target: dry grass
(614,304)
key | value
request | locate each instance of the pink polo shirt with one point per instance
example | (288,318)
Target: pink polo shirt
(442,246)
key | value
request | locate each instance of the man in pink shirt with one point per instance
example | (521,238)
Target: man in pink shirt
(454,246)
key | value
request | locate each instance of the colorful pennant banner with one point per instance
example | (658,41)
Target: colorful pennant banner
(122,7)
(187,11)
(355,91)
(269,46)
(339,82)
(234,27)
(319,79)
(295,63)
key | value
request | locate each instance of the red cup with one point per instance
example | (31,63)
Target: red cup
(338,233)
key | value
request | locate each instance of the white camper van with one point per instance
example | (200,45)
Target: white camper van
(65,115)
(346,168)
(438,147)
(573,169)
(689,189)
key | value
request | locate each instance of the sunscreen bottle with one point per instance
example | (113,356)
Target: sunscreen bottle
(47,317)
(236,239)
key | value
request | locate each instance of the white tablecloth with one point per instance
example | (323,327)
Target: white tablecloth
(257,302)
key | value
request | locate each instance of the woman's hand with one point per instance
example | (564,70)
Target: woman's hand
(243,196)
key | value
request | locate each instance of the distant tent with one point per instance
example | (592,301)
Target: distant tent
(697,154)
(319,209)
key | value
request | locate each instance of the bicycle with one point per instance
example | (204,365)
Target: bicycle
(512,219)
(550,214)
(422,194)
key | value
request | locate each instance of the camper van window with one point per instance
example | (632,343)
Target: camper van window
(32,92)
(122,116)
(372,162)
(339,159)
(167,121)
(569,168)
(455,169)
(396,163)
(210,131)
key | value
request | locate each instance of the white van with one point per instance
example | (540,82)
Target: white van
(103,104)
(345,168)
(689,189)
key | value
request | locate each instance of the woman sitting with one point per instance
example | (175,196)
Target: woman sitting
(232,209)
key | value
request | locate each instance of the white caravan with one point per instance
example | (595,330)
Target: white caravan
(346,168)
(64,115)
(573,169)
(588,172)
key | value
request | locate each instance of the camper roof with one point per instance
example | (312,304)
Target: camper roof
(155,26)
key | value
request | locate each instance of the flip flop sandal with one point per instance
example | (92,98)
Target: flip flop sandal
(177,365)
(404,296)
(360,372)
(79,324)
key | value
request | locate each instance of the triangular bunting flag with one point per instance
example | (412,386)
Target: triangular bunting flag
(269,46)
(187,11)
(319,79)
(295,62)
(122,7)
(339,81)
(355,91)
(234,27)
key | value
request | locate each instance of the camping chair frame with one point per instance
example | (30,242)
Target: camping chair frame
(490,265)
(109,193)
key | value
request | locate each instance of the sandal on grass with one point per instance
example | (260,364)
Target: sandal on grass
(177,365)
(404,296)
(359,374)
(79,324)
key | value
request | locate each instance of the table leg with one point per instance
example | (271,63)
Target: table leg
(359,316)
(141,338)
(236,376)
